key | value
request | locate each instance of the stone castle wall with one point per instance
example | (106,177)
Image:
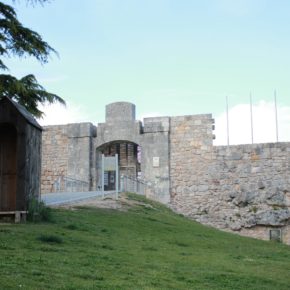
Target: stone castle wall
(67,157)
(243,188)
(54,156)
(190,151)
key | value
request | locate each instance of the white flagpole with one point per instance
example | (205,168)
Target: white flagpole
(228,128)
(251,109)
(276,116)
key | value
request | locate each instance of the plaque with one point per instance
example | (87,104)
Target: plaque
(155,161)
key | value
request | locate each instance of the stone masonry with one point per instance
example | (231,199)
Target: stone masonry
(54,156)
(243,189)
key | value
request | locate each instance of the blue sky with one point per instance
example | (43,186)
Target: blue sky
(169,57)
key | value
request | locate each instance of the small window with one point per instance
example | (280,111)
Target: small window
(275,235)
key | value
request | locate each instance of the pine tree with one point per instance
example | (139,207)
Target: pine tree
(17,40)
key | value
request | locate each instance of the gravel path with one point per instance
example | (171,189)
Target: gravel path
(69,197)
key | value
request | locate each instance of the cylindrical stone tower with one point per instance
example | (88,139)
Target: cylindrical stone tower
(120,112)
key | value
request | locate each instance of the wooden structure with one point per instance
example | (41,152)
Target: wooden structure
(20,158)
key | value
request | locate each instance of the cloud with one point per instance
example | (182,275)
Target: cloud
(264,124)
(57,114)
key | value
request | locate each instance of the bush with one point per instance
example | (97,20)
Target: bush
(38,211)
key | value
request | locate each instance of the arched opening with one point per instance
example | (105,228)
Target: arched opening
(8,167)
(129,161)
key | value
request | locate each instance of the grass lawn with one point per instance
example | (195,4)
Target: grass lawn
(147,247)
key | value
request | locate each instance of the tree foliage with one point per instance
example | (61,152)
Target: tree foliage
(27,92)
(18,40)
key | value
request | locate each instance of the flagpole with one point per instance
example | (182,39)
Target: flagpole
(276,116)
(228,129)
(251,109)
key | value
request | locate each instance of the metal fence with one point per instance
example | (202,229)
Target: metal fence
(136,185)
(68,184)
(127,184)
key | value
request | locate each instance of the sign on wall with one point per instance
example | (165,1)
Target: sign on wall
(110,163)
(156,162)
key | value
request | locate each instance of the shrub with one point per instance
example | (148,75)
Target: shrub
(38,211)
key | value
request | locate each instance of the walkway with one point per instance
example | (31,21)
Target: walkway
(70,197)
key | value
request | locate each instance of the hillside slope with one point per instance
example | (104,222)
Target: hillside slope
(141,246)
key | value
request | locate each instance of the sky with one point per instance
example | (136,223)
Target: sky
(168,57)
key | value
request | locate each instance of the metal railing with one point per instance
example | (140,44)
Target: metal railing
(136,185)
(127,184)
(69,184)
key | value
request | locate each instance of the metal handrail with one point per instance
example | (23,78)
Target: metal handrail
(69,184)
(136,185)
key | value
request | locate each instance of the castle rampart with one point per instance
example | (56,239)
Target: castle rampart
(244,188)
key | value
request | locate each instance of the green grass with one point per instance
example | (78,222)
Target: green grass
(148,247)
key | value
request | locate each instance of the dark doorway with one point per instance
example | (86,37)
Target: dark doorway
(8,167)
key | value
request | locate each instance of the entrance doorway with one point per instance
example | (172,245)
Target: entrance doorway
(129,162)
(8,167)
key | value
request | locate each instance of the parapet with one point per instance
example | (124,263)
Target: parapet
(156,124)
(78,130)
